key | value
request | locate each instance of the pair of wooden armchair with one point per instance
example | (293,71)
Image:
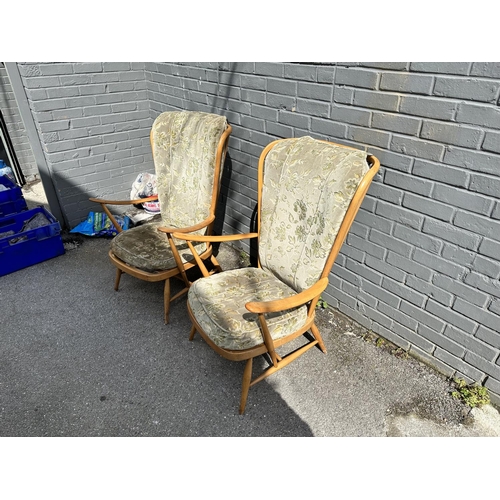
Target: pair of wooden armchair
(309,192)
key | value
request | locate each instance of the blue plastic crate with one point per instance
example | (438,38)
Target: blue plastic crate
(13,191)
(21,247)
(11,198)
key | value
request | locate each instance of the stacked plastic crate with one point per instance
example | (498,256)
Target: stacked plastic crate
(27,236)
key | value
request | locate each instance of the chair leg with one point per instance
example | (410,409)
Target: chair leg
(166,300)
(192,332)
(317,336)
(119,273)
(247,377)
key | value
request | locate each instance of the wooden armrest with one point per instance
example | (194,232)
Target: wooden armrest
(289,302)
(196,227)
(124,202)
(103,204)
(214,239)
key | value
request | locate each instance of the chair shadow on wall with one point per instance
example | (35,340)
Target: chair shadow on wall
(221,212)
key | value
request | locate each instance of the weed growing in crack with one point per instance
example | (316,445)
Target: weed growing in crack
(322,304)
(472,395)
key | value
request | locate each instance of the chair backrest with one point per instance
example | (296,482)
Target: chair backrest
(307,187)
(187,156)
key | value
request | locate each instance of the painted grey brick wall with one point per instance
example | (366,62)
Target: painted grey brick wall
(421,265)
(15,127)
(94,122)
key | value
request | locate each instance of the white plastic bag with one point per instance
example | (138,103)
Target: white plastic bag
(143,186)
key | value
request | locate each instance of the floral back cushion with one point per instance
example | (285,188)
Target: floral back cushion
(308,185)
(184,152)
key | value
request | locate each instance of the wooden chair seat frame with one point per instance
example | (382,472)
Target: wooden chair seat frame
(178,272)
(308,297)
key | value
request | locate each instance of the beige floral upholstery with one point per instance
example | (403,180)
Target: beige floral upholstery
(308,185)
(185,144)
(184,152)
(218,303)
(146,248)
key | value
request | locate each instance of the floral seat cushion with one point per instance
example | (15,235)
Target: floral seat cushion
(146,248)
(218,303)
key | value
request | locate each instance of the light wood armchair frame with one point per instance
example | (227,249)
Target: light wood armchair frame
(307,297)
(178,272)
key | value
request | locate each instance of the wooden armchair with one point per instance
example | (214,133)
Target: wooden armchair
(188,152)
(309,192)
